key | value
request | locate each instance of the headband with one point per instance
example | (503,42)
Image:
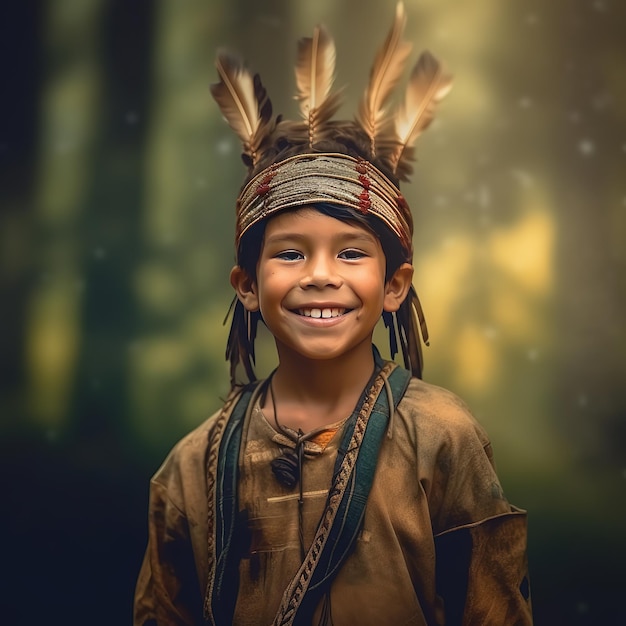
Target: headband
(332,178)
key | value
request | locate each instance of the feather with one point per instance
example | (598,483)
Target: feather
(428,85)
(240,343)
(315,74)
(418,327)
(410,324)
(384,75)
(244,104)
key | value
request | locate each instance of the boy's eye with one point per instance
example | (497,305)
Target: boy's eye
(351,254)
(289,255)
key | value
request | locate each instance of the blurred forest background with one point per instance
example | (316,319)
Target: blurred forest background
(117,186)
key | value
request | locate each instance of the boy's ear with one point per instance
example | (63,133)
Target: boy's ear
(245,287)
(397,288)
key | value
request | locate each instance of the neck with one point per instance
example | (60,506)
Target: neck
(312,393)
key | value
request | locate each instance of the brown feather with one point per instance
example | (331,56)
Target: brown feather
(384,75)
(408,325)
(418,327)
(240,343)
(428,85)
(315,74)
(244,104)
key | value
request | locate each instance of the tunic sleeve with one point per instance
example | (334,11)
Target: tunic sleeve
(482,570)
(167,591)
(173,577)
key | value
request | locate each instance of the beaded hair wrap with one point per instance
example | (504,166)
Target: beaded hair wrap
(351,163)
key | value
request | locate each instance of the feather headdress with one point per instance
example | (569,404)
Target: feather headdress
(315,75)
(244,104)
(428,85)
(316,159)
(384,76)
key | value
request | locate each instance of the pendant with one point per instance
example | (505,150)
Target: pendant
(286,469)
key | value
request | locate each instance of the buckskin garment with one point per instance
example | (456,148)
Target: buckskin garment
(439,543)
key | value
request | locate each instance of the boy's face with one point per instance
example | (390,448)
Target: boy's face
(320,284)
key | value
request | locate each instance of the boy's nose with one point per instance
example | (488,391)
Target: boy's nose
(320,273)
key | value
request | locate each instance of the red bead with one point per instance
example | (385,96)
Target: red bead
(267,179)
(364,202)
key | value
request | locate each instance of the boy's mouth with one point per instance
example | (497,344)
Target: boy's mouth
(322,313)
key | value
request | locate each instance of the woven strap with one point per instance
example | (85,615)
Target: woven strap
(222,477)
(345,506)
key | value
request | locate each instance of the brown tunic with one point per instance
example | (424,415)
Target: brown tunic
(439,543)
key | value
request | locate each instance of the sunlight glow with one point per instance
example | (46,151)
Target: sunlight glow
(525,251)
(53,338)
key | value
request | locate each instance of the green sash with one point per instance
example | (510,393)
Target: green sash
(341,521)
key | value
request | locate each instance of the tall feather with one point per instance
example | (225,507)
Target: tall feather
(244,104)
(384,75)
(315,74)
(428,85)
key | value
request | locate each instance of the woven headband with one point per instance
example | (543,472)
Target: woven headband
(324,177)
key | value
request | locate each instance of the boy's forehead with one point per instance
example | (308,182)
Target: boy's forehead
(301,219)
(306,210)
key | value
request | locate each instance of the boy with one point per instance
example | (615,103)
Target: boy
(342,489)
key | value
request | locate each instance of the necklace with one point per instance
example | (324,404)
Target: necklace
(288,468)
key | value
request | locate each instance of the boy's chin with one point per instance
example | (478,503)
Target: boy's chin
(325,351)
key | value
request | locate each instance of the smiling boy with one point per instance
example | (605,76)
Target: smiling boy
(320,288)
(342,489)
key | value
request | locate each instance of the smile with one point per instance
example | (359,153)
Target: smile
(322,313)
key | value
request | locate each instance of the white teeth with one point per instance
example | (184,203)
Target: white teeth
(322,313)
